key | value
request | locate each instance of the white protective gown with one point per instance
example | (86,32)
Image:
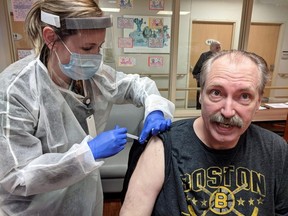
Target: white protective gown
(47,167)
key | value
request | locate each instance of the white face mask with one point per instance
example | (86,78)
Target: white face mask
(81,66)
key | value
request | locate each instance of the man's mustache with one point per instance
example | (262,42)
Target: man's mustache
(234,121)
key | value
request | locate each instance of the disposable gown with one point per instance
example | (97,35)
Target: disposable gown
(47,167)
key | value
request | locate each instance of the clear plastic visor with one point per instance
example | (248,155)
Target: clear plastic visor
(77,23)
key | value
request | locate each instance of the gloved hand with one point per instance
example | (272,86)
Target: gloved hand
(154,124)
(108,143)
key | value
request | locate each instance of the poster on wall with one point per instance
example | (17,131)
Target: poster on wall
(126,4)
(150,34)
(125,42)
(124,22)
(125,61)
(20,9)
(155,61)
(22,53)
(156,4)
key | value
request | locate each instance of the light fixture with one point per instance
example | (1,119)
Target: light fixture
(115,10)
(170,12)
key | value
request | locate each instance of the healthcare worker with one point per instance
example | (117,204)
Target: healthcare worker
(50,102)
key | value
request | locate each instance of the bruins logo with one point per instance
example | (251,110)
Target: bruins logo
(222,201)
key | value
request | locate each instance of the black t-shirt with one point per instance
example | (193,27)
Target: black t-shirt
(250,179)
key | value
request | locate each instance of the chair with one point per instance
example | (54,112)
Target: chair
(114,169)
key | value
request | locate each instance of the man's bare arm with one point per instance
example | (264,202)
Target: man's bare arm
(146,181)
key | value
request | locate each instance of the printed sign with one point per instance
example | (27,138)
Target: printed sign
(126,61)
(155,61)
(156,4)
(126,4)
(20,9)
(123,22)
(125,42)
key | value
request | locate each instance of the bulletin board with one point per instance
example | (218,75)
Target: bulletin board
(149,34)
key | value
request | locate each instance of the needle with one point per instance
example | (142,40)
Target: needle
(132,136)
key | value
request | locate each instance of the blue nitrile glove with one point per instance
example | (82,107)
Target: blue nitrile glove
(154,124)
(108,143)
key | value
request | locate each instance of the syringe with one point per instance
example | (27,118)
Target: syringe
(132,136)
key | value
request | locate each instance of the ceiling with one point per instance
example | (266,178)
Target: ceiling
(274,2)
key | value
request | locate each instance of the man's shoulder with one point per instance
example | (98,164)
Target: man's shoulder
(257,133)
(179,129)
(207,54)
(181,123)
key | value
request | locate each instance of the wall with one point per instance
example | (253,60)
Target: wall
(268,11)
(277,14)
(221,10)
(204,10)
(208,10)
(5,56)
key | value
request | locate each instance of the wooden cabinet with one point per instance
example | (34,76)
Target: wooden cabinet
(275,120)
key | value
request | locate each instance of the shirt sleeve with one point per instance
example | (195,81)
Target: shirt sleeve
(131,88)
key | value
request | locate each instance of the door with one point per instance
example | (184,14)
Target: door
(202,31)
(263,40)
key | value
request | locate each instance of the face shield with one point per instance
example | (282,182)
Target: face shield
(85,58)
(77,23)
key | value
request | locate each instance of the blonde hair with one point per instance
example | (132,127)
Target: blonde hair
(62,8)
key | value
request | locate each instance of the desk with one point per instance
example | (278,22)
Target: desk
(271,114)
(273,119)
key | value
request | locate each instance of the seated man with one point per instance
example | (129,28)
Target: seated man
(218,163)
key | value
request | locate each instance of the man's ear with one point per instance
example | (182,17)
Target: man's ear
(49,36)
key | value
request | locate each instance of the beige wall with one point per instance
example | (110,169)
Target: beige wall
(200,10)
(5,55)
